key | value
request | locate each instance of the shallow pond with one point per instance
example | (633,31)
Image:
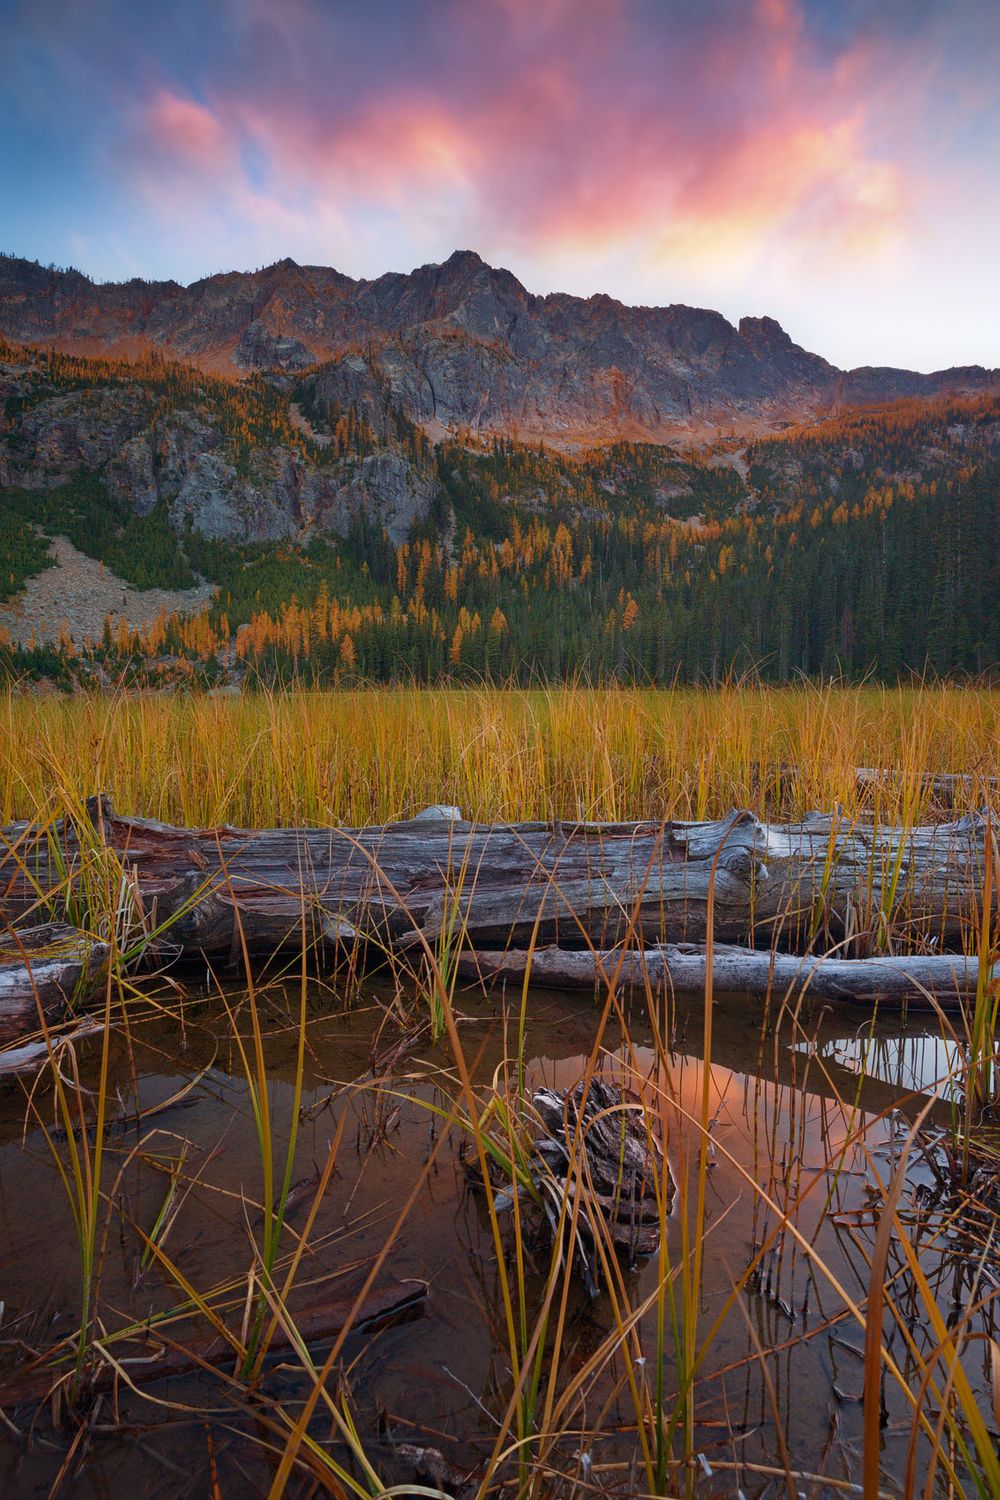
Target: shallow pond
(801,1123)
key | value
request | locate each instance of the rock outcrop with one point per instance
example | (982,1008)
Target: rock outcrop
(183,457)
(260,349)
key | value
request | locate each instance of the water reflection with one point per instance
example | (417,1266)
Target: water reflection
(918,1063)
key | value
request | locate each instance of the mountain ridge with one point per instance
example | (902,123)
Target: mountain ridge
(464,344)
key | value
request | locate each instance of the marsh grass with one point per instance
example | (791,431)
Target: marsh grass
(358,758)
(80,1165)
(982,1086)
(648,1379)
(363,758)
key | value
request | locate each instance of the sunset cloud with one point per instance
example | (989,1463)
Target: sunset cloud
(731,151)
(187,131)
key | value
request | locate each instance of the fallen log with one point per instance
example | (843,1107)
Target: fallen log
(492,885)
(944,979)
(943,787)
(43,970)
(153,1356)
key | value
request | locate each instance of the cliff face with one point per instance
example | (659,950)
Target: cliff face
(464,344)
(180,453)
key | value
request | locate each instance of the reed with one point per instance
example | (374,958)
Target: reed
(364,757)
(76,1142)
(982,1084)
(276,1174)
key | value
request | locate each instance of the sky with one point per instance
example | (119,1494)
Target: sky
(834,165)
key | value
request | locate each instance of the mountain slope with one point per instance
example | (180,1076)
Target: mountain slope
(465,345)
(234,461)
(343,546)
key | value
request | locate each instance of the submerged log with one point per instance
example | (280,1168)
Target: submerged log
(153,1356)
(623,1174)
(30,1056)
(944,979)
(42,971)
(494,885)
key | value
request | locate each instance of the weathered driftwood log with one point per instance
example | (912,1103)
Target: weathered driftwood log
(43,969)
(946,979)
(494,885)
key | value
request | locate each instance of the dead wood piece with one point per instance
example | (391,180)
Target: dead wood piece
(150,1357)
(943,787)
(42,971)
(597,1142)
(28,1058)
(945,979)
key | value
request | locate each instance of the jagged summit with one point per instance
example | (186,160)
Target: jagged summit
(466,258)
(461,342)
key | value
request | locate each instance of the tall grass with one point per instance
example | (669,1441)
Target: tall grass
(982,1088)
(80,1166)
(276,1176)
(364,757)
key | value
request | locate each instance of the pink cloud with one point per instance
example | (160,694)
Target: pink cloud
(186,130)
(542,128)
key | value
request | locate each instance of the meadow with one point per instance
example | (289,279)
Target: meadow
(235,1165)
(298,757)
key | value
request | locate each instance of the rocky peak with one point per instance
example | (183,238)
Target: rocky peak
(464,270)
(769,341)
(462,259)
